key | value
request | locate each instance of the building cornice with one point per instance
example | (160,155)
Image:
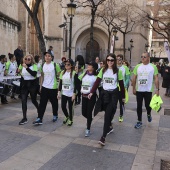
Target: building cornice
(10,20)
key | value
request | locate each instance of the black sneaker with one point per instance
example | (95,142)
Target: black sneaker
(23,121)
(38,122)
(110,130)
(102,141)
(55,118)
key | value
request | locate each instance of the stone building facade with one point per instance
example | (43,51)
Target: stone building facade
(51,15)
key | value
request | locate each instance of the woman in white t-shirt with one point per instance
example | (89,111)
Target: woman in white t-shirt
(111,77)
(67,87)
(28,72)
(88,78)
(11,70)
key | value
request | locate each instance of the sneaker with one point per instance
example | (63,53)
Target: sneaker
(87,133)
(102,141)
(23,121)
(149,118)
(69,122)
(38,122)
(138,125)
(110,130)
(55,118)
(120,118)
(65,120)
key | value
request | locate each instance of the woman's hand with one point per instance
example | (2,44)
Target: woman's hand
(90,95)
(73,97)
(24,65)
(58,95)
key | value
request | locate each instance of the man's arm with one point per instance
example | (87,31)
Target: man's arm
(134,84)
(157,84)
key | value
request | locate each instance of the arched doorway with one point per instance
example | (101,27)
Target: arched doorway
(96,51)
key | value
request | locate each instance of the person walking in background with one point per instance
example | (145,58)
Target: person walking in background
(68,88)
(166,79)
(126,79)
(2,73)
(112,78)
(11,70)
(62,64)
(48,88)
(97,60)
(51,52)
(28,72)
(87,81)
(145,74)
(19,55)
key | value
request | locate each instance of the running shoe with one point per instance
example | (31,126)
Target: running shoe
(110,130)
(120,118)
(38,122)
(23,121)
(65,120)
(87,133)
(102,141)
(138,125)
(55,118)
(149,118)
(69,122)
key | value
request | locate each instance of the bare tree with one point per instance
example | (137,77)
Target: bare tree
(33,13)
(158,18)
(120,15)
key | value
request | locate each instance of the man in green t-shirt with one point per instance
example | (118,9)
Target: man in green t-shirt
(145,75)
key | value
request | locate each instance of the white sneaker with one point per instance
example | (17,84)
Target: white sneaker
(87,133)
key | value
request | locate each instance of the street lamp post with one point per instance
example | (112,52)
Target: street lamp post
(130,50)
(146,47)
(71,9)
(114,34)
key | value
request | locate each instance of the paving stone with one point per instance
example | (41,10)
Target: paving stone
(146,152)
(128,149)
(82,157)
(139,166)
(146,160)
(163,143)
(164,121)
(11,143)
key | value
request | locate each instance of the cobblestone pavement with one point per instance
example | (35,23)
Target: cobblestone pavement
(54,146)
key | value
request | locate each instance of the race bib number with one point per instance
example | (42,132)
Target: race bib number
(66,87)
(85,89)
(143,82)
(108,80)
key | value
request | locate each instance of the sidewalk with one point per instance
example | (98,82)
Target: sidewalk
(54,146)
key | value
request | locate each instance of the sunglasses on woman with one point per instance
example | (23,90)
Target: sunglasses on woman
(143,56)
(27,59)
(67,64)
(111,60)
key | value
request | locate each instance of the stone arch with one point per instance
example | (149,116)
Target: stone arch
(100,37)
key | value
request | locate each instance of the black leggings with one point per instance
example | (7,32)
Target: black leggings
(121,103)
(147,96)
(87,108)
(24,96)
(48,94)
(110,110)
(64,100)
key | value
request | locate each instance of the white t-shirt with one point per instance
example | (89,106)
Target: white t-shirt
(50,81)
(67,83)
(39,69)
(26,75)
(2,69)
(11,67)
(110,80)
(87,83)
(145,76)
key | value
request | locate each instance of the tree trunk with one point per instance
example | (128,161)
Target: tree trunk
(109,41)
(124,47)
(91,35)
(39,36)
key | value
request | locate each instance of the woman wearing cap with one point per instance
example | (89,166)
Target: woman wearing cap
(88,78)
(28,72)
(67,86)
(111,77)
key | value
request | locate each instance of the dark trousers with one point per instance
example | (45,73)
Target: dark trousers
(87,109)
(64,100)
(24,96)
(48,94)
(121,103)
(147,96)
(78,96)
(3,98)
(110,110)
